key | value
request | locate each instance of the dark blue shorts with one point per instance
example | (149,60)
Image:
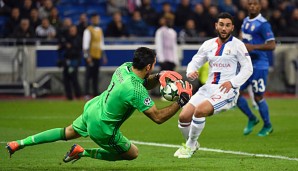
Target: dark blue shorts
(258,80)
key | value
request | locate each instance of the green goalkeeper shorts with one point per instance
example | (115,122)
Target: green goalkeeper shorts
(102,132)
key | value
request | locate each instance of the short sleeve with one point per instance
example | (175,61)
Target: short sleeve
(141,101)
(266,32)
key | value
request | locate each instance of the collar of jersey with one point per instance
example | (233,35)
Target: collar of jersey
(129,68)
(258,16)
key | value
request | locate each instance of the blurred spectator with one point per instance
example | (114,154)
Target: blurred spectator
(242,5)
(93,48)
(132,5)
(238,20)
(117,6)
(45,10)
(292,29)
(54,18)
(13,22)
(200,19)
(266,11)
(4,8)
(72,57)
(148,13)
(166,9)
(63,30)
(25,8)
(12,3)
(34,18)
(166,44)
(207,4)
(45,30)
(189,34)
(83,23)
(23,30)
(278,23)
(116,28)
(137,26)
(183,12)
(211,19)
(229,7)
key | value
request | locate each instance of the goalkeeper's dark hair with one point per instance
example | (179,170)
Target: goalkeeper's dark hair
(225,15)
(142,57)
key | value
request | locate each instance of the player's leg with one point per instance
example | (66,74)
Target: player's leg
(113,148)
(252,97)
(94,77)
(202,110)
(184,121)
(185,118)
(243,106)
(263,106)
(47,136)
(216,103)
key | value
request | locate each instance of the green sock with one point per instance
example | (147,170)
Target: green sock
(43,137)
(99,153)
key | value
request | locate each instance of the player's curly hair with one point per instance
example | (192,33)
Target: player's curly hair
(224,15)
(142,57)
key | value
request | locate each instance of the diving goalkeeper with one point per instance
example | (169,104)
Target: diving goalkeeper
(104,114)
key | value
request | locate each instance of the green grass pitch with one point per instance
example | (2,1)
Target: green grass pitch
(279,151)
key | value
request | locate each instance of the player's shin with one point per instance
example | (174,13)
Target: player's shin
(243,106)
(99,153)
(51,135)
(196,128)
(264,112)
(184,128)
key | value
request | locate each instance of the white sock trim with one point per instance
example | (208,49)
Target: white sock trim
(198,120)
(183,124)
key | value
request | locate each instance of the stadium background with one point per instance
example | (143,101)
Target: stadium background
(28,65)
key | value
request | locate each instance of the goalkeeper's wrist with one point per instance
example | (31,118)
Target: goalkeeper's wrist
(183,99)
(157,76)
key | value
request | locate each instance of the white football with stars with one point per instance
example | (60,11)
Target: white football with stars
(170,91)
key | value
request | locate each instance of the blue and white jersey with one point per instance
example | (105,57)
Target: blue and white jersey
(257,31)
(224,60)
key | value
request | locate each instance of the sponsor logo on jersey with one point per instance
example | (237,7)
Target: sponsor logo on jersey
(147,101)
(221,65)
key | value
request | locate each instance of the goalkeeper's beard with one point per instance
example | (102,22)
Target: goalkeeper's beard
(147,75)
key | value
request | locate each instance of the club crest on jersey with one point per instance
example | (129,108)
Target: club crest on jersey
(147,101)
(252,27)
(246,25)
(227,51)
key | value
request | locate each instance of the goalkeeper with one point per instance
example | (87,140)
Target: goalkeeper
(104,114)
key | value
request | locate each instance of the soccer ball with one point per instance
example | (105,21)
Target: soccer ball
(170,91)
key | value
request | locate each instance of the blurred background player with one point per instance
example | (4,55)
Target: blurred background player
(72,47)
(104,114)
(221,90)
(93,49)
(258,38)
(166,43)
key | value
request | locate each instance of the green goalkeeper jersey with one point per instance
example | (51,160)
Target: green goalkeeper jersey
(125,93)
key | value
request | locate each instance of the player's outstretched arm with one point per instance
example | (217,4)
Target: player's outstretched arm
(159,116)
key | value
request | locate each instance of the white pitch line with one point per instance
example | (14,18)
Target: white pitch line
(201,149)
